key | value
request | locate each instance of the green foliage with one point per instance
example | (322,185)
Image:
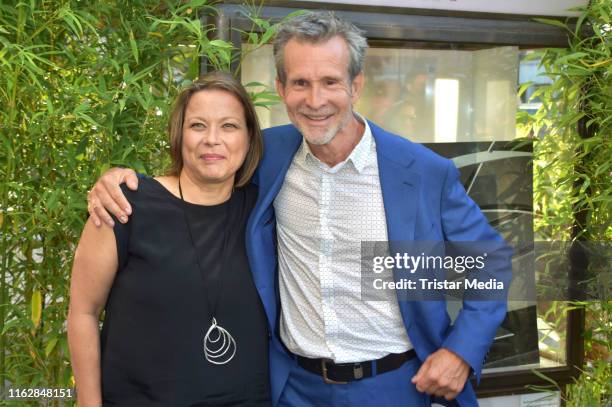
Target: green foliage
(84,86)
(572,167)
(594,386)
(570,173)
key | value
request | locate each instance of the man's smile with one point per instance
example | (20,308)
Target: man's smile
(319,119)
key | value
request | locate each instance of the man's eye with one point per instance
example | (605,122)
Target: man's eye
(300,83)
(331,82)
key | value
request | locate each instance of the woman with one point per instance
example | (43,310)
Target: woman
(183,325)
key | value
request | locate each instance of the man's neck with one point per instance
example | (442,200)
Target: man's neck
(341,145)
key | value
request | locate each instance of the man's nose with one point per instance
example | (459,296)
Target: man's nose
(315,98)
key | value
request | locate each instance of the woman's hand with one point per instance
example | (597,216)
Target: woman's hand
(106,196)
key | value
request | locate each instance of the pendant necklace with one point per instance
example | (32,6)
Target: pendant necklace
(218,344)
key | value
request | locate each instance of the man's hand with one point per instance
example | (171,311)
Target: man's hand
(443,374)
(106,195)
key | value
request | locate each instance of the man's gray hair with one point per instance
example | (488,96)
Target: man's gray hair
(316,27)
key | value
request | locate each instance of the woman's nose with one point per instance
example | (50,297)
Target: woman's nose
(212,136)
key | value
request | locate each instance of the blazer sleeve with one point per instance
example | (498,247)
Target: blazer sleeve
(476,324)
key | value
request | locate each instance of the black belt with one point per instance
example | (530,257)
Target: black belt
(342,373)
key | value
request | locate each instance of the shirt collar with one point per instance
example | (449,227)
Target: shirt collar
(360,156)
(362,153)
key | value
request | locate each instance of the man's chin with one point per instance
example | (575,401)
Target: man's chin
(319,141)
(318,138)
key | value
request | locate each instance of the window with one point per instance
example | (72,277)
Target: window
(451,82)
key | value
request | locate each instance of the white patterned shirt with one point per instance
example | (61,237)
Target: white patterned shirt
(322,216)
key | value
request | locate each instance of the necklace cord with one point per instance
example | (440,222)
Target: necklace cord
(212,305)
(218,355)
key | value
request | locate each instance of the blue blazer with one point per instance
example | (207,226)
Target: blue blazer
(423,199)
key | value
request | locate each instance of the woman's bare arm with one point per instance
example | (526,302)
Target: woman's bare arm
(93,272)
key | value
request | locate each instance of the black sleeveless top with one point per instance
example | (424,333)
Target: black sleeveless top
(157,312)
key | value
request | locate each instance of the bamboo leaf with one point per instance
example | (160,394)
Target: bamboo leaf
(544,377)
(571,57)
(71,19)
(133,46)
(220,44)
(50,346)
(551,21)
(254,84)
(524,87)
(267,36)
(140,75)
(36,308)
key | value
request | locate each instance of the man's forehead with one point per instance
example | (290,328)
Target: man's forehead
(320,74)
(329,58)
(336,42)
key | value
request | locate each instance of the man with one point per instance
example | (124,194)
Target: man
(330,181)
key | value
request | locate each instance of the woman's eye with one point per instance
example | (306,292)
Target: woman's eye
(230,126)
(197,125)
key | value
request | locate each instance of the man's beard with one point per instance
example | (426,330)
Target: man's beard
(328,136)
(320,141)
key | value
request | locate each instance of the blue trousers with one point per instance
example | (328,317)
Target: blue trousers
(392,389)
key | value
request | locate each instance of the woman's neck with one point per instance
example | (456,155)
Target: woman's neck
(200,193)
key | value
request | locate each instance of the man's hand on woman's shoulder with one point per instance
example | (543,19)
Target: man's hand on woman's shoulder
(106,196)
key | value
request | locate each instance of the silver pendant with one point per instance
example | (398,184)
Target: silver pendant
(219,349)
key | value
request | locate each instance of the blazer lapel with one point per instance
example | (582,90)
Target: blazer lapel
(399,186)
(278,155)
(400,190)
(261,246)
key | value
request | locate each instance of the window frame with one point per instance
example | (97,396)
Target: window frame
(393,27)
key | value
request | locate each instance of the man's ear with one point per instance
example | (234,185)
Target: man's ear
(280,89)
(357,87)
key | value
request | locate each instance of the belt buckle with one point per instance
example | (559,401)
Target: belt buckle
(324,370)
